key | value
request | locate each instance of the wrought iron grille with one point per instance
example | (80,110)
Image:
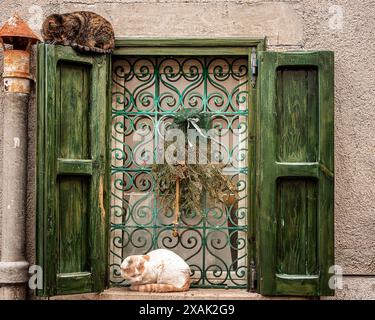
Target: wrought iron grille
(147,92)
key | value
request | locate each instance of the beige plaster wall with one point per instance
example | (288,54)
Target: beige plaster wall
(289,25)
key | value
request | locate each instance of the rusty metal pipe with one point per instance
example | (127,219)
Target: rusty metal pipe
(17,71)
(13,265)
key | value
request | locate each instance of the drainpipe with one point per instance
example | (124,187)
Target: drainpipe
(16,38)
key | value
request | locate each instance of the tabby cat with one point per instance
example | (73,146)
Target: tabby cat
(160,270)
(83,30)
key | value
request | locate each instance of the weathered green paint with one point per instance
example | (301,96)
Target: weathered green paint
(253,245)
(73,221)
(294,197)
(302,169)
(190,42)
(181,51)
(69,283)
(72,170)
(72,103)
(297,113)
(74,166)
(186,47)
(296,226)
(107,177)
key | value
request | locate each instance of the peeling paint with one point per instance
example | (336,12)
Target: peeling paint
(101,200)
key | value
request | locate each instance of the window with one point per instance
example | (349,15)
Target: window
(288,199)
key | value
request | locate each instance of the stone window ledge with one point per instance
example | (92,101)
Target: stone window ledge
(192,294)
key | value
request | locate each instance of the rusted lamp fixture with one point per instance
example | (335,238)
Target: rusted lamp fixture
(20,37)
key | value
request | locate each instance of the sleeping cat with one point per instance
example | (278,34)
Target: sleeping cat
(83,30)
(160,270)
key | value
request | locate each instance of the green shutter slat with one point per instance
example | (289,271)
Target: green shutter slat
(295,172)
(72,169)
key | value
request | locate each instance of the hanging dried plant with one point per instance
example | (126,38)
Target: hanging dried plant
(194,180)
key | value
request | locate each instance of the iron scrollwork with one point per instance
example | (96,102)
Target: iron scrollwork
(147,92)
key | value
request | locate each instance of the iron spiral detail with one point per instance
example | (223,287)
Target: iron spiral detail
(146,94)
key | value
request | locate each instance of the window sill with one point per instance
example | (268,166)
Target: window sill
(192,294)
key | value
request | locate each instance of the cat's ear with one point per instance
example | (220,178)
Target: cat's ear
(59,18)
(146,257)
(54,20)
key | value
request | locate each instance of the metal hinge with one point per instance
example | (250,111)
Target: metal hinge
(254,67)
(253,276)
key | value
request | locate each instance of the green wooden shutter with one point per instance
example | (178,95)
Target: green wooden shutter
(72,170)
(295,172)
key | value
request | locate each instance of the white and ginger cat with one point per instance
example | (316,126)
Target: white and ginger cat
(160,270)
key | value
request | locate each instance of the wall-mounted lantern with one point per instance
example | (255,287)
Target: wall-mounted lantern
(17,34)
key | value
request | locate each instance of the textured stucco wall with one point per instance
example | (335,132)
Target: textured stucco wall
(289,25)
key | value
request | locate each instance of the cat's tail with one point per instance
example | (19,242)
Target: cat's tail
(85,49)
(158,287)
